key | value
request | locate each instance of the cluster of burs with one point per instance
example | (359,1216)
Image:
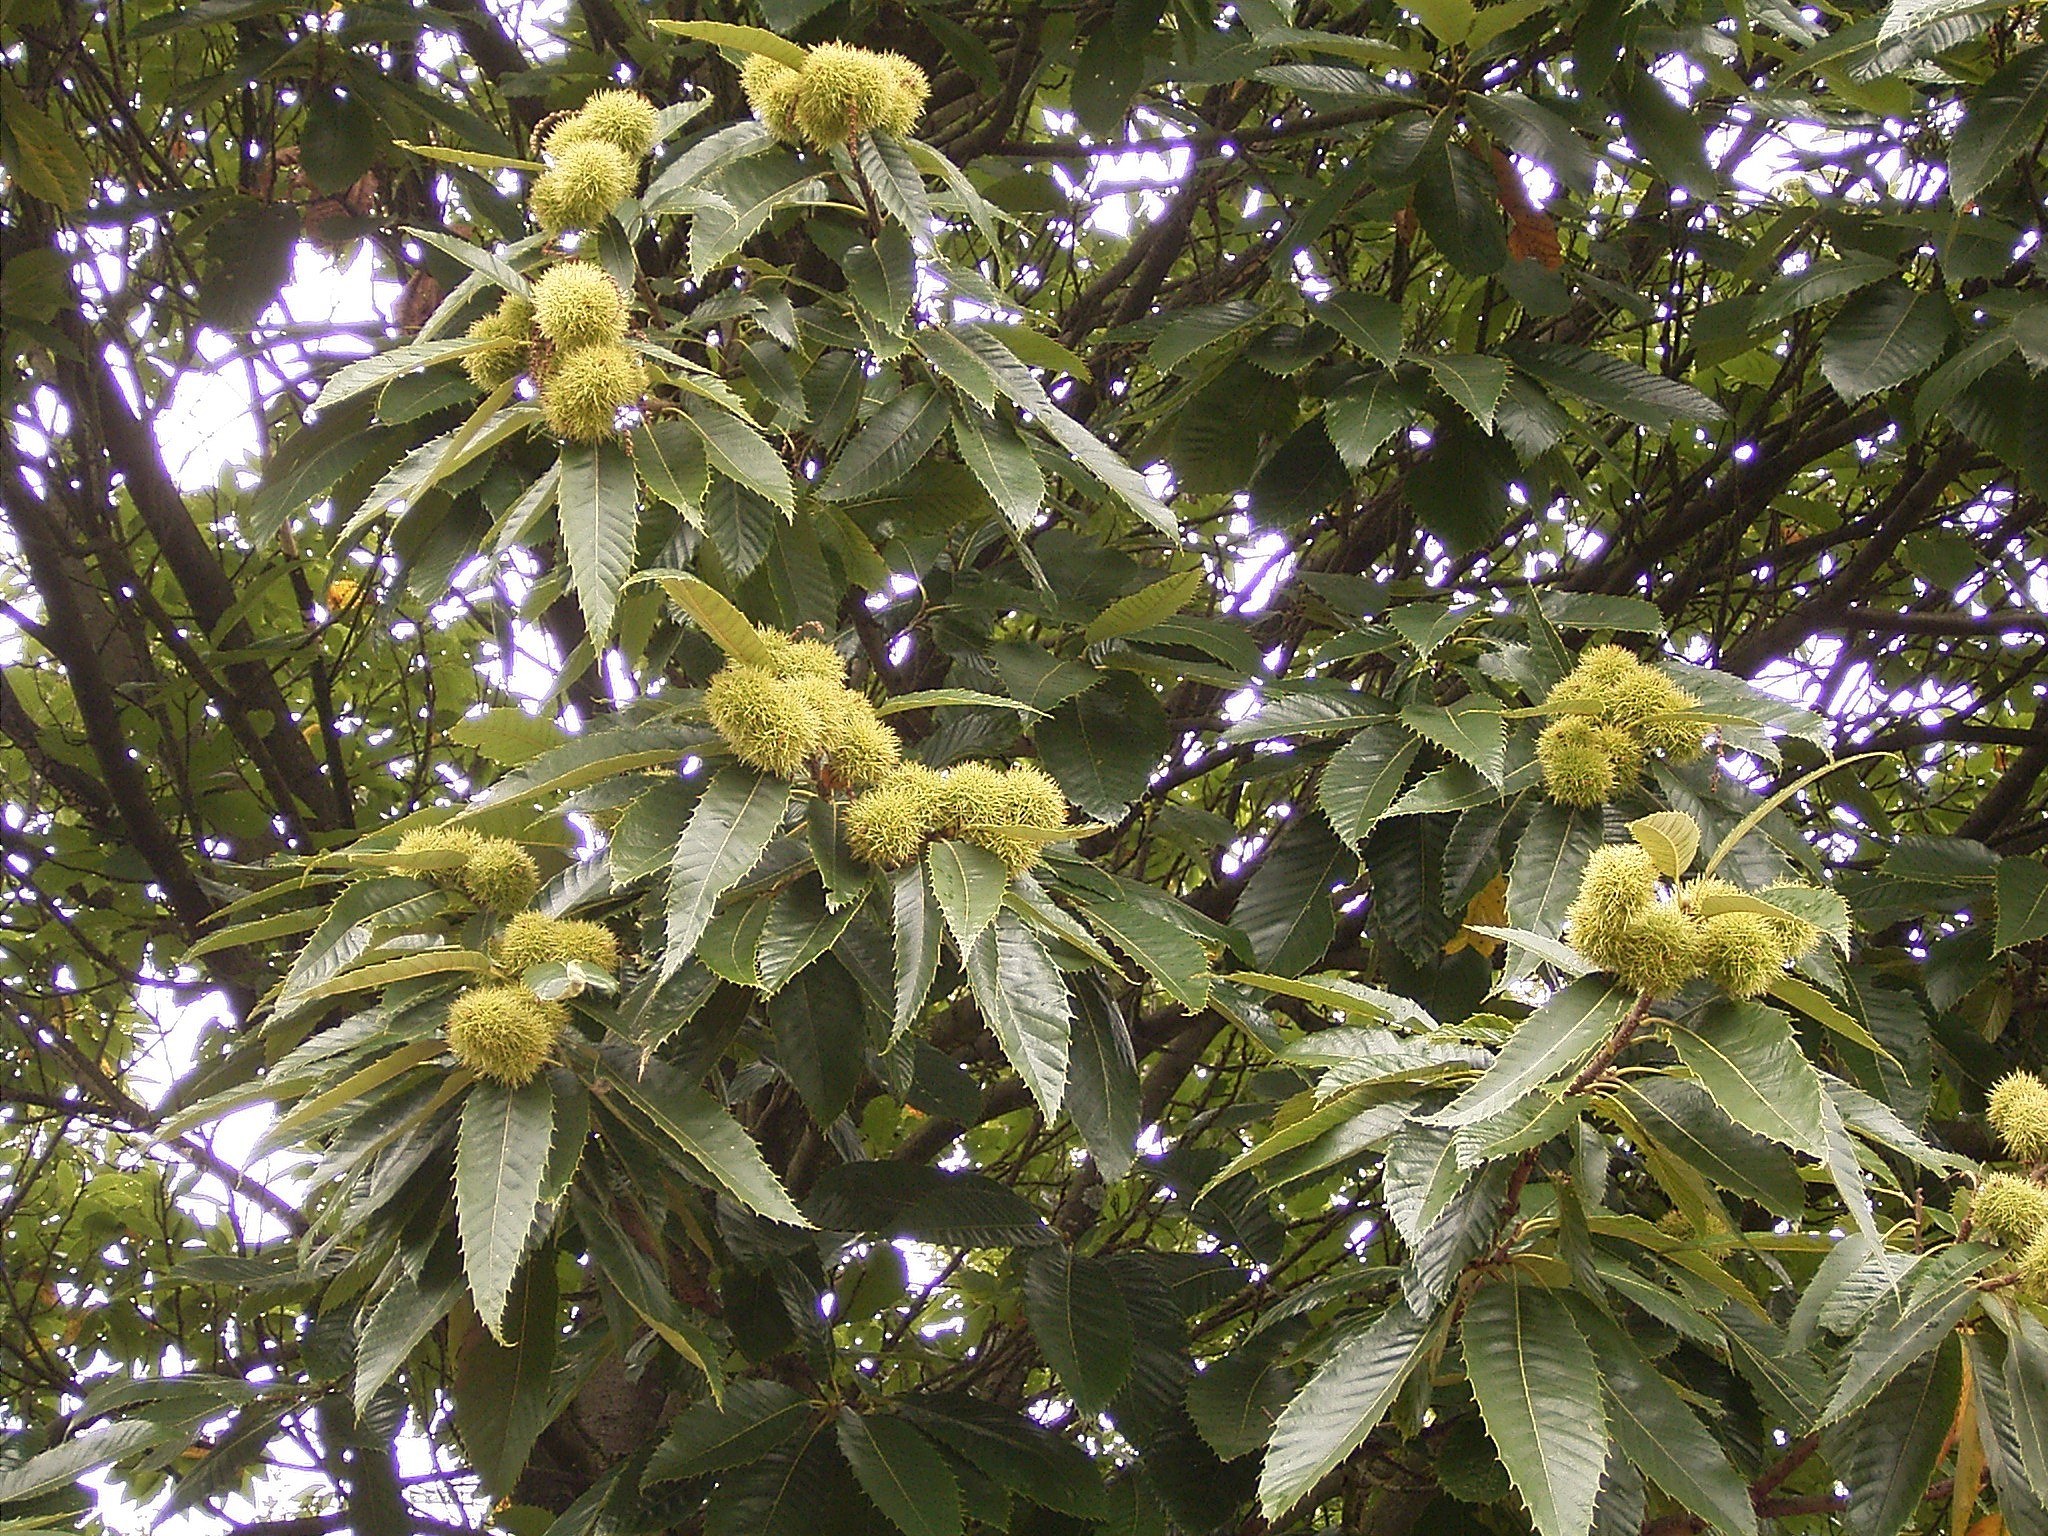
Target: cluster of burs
(795,717)
(1622,710)
(503,1031)
(838,92)
(1658,938)
(2014,1206)
(570,336)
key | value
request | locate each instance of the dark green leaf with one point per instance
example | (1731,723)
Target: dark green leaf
(501,1156)
(1539,1391)
(1077,1316)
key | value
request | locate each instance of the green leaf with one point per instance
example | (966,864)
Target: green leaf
(599,514)
(800,927)
(1103,745)
(1285,911)
(1459,208)
(1549,860)
(1237,1399)
(1536,132)
(1364,415)
(1470,730)
(715,615)
(597,754)
(1887,1452)
(1664,1437)
(1145,607)
(821,1038)
(1152,930)
(1368,321)
(948,1210)
(1668,135)
(968,883)
(1078,1318)
(376,371)
(900,1470)
(1018,384)
(403,1316)
(1557,1038)
(741,454)
(1614,384)
(1197,329)
(917,924)
(504,1392)
(1002,461)
(754,1418)
(499,1160)
(1818,282)
(1022,1456)
(1681,1117)
(1885,1348)
(1476,383)
(896,182)
(738,814)
(888,445)
(2026,1383)
(1102,1080)
(2004,116)
(1671,838)
(2022,902)
(1341,1404)
(44,157)
(945,698)
(700,1126)
(1363,779)
(1539,1392)
(1887,334)
(64,1464)
(1024,1000)
(725,34)
(671,459)
(494,268)
(1748,1058)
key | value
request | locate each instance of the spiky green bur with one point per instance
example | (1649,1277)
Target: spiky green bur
(1626,693)
(1619,882)
(1624,755)
(576,304)
(887,826)
(1025,799)
(533,938)
(906,102)
(2032,1268)
(843,90)
(1658,951)
(1576,767)
(2018,1108)
(810,658)
(858,748)
(772,88)
(500,875)
(462,840)
(1740,953)
(586,389)
(509,329)
(767,724)
(1795,935)
(2016,1209)
(970,788)
(626,120)
(504,1033)
(1681,741)
(587,181)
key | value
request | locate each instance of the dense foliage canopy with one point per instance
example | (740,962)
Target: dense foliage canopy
(1108,768)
